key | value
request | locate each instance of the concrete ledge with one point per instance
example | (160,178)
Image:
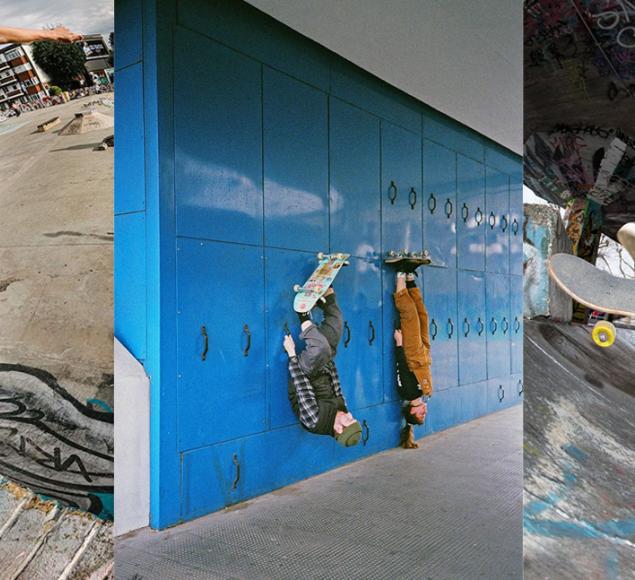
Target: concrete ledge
(43,127)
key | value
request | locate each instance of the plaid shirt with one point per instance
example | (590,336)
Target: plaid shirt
(307,403)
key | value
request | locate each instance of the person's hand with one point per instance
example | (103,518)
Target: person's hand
(398,337)
(289,345)
(63,34)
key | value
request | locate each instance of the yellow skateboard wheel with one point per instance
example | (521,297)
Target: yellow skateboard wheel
(603,333)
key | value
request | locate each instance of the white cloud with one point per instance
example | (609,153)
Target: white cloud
(96,16)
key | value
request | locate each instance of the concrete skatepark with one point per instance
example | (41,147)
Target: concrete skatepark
(56,383)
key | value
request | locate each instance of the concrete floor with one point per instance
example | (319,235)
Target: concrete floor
(450,510)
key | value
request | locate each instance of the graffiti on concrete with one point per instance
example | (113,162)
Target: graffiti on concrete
(580,161)
(52,443)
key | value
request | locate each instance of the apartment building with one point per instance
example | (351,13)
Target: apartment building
(21,80)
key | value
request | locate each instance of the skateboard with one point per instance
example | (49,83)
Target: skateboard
(320,281)
(393,257)
(596,289)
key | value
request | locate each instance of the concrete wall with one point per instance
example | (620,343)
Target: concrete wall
(544,235)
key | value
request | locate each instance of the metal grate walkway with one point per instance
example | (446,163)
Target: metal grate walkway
(451,509)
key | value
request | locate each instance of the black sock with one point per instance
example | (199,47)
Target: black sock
(304,316)
(411,284)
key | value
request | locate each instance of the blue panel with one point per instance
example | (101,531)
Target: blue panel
(500,394)
(453,135)
(212,479)
(218,150)
(497,220)
(358,87)
(444,409)
(284,268)
(472,328)
(239,25)
(499,325)
(129,153)
(390,322)
(517,329)
(130,283)
(220,287)
(474,400)
(359,356)
(471,212)
(502,159)
(440,298)
(128,21)
(355,180)
(439,203)
(516,226)
(296,164)
(401,189)
(517,386)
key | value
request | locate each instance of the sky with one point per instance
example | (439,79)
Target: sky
(530,197)
(81,16)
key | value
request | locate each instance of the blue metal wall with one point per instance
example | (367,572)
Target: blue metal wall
(250,149)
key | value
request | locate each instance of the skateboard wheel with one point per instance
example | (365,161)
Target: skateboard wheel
(320,256)
(297,288)
(603,333)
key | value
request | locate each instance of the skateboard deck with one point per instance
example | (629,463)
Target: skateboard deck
(591,286)
(320,281)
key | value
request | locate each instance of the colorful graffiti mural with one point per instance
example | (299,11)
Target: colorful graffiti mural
(52,443)
(579,82)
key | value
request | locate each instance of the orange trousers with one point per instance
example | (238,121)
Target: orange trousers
(416,336)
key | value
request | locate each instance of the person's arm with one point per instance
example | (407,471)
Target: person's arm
(308,408)
(25,35)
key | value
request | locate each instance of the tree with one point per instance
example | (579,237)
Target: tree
(62,62)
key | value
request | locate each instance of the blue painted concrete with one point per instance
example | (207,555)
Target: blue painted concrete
(260,148)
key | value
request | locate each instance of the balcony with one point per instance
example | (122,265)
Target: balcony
(7,80)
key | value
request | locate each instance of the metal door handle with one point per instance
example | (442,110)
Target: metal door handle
(450,205)
(492,220)
(465,212)
(501,393)
(366,431)
(516,324)
(432,203)
(481,326)
(392,192)
(248,333)
(493,325)
(505,324)
(433,329)
(520,387)
(515,226)
(237,477)
(347,328)
(205,343)
(412,197)
(478,216)
(504,223)
(371,328)
(466,327)
(450,328)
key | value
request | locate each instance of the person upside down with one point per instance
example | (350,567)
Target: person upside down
(314,386)
(412,343)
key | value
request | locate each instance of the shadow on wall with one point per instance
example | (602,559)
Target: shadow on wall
(52,443)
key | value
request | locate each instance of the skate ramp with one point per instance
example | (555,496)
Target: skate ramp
(579,453)
(86,122)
